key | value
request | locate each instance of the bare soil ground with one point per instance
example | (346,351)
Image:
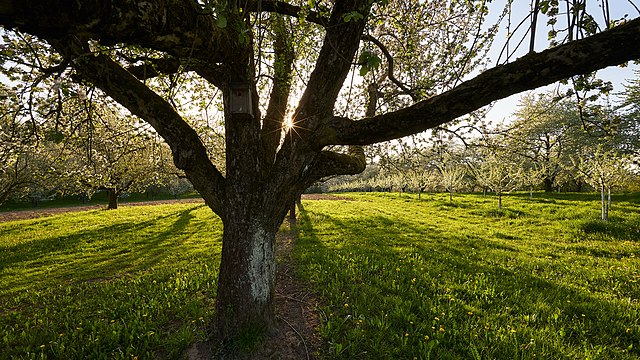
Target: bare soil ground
(36,213)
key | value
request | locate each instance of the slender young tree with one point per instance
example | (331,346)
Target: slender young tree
(603,170)
(267,164)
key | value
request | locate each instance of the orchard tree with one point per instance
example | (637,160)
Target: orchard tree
(530,175)
(603,170)
(629,115)
(15,170)
(24,157)
(546,132)
(452,173)
(117,157)
(424,180)
(496,170)
(270,158)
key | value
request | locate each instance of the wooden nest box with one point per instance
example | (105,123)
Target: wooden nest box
(239,98)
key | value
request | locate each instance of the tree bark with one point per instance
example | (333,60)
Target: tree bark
(605,199)
(548,184)
(246,283)
(292,215)
(112,195)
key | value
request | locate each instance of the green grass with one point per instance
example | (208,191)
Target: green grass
(135,282)
(399,278)
(402,278)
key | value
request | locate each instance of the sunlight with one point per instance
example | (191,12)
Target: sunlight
(288,123)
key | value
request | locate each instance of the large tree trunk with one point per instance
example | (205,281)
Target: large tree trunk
(112,195)
(246,283)
(548,184)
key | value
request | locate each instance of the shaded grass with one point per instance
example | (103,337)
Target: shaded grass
(138,281)
(404,278)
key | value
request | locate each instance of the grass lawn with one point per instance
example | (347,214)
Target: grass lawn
(402,278)
(134,282)
(399,278)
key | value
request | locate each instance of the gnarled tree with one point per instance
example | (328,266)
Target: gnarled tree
(267,165)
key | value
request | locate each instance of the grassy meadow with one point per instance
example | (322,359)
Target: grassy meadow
(133,282)
(397,278)
(402,278)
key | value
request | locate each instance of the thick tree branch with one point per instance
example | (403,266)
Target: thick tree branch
(177,27)
(612,47)
(151,68)
(273,121)
(188,151)
(340,44)
(283,8)
(170,65)
(331,163)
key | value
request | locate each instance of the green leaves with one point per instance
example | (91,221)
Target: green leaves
(368,61)
(353,16)
(221,21)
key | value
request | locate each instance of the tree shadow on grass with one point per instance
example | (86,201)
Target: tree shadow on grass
(446,271)
(613,229)
(98,254)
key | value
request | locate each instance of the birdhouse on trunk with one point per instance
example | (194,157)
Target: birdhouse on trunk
(239,99)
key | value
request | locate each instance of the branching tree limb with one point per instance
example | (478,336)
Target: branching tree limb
(188,151)
(612,47)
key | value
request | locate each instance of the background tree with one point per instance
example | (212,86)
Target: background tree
(546,131)
(530,176)
(603,170)
(266,169)
(452,173)
(497,171)
(24,159)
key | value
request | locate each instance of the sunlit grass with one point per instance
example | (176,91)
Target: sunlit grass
(403,278)
(139,281)
(400,278)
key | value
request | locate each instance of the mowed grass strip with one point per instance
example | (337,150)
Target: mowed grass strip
(403,278)
(134,282)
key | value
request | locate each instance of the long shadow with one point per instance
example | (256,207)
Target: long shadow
(581,317)
(67,262)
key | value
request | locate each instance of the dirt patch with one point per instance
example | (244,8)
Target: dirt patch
(324,197)
(37,213)
(296,311)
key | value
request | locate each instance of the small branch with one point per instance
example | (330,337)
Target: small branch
(306,349)
(390,65)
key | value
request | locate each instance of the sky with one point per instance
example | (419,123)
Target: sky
(504,109)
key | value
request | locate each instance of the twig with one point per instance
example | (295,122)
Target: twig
(300,335)
(292,298)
